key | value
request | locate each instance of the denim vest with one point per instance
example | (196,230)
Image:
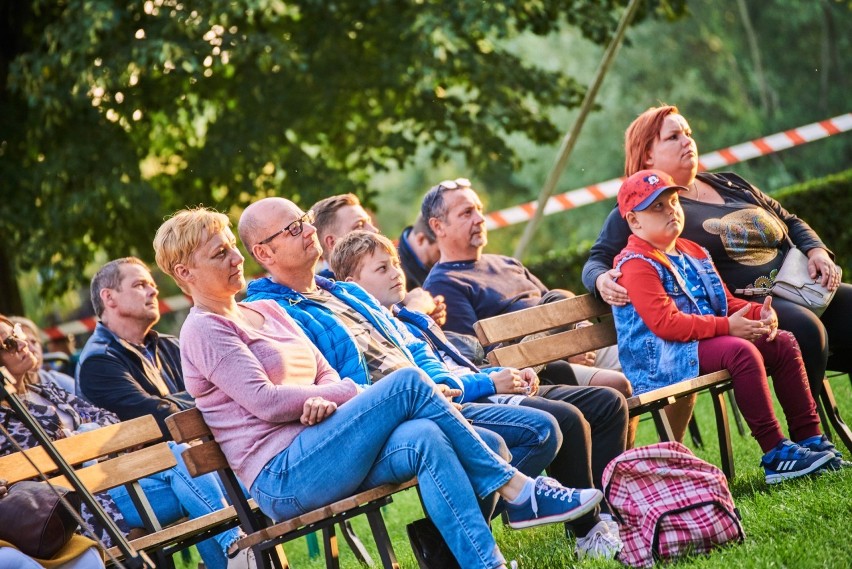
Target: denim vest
(648,361)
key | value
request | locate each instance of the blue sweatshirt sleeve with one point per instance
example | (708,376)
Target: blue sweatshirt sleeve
(461,314)
(611,240)
(425,358)
(476,386)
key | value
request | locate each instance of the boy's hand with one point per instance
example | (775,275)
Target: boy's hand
(508,380)
(742,327)
(439,314)
(419,300)
(450,394)
(769,318)
(531,380)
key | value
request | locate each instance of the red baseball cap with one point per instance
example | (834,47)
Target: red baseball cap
(642,188)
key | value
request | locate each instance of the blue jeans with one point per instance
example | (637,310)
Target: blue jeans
(532,436)
(398,428)
(174,494)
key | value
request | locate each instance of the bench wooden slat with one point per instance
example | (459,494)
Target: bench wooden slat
(122,469)
(203,458)
(555,347)
(320,514)
(188,426)
(172,534)
(679,389)
(539,319)
(80,448)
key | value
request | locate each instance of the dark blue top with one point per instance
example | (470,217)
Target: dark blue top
(473,290)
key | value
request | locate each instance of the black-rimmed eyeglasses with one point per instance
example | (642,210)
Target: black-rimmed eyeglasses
(294,228)
(13,342)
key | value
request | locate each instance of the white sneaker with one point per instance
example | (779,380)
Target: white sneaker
(599,543)
(244,559)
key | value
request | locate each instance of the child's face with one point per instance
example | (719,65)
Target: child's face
(382,276)
(661,222)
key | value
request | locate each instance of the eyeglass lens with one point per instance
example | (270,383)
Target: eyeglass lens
(14,340)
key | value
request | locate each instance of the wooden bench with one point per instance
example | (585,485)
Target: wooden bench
(205,456)
(503,332)
(121,461)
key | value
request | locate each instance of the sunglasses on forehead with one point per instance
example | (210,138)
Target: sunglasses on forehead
(457,184)
(433,196)
(13,341)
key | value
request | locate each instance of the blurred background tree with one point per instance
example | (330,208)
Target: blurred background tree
(114,113)
(117,112)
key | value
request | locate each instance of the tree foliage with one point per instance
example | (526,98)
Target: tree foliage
(116,112)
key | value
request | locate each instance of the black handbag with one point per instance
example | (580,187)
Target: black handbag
(34,519)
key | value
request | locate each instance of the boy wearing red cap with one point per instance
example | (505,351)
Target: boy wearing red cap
(683,322)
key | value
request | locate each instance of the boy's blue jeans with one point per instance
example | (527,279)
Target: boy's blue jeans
(399,428)
(174,494)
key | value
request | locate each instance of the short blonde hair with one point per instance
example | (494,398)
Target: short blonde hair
(181,234)
(349,252)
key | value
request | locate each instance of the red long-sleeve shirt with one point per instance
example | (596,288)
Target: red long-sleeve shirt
(656,307)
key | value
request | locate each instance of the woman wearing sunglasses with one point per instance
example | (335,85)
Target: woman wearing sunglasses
(173,493)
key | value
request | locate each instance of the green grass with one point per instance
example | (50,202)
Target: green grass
(800,524)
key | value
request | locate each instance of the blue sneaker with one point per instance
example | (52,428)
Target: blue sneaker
(820,443)
(551,502)
(789,460)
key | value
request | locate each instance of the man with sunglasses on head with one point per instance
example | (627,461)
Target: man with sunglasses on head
(127,367)
(477,285)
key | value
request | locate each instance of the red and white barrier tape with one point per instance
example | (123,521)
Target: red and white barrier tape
(576,198)
(725,157)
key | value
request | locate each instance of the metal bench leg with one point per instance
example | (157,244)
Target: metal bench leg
(270,558)
(724,431)
(695,432)
(738,417)
(329,542)
(383,541)
(355,543)
(829,405)
(661,421)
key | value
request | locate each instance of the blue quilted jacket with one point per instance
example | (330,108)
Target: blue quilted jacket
(333,338)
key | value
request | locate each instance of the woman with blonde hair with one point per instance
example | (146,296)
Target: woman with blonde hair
(173,493)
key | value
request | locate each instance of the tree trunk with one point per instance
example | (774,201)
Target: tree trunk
(10,294)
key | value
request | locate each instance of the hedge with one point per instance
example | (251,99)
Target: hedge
(825,203)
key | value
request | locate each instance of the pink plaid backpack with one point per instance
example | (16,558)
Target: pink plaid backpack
(669,503)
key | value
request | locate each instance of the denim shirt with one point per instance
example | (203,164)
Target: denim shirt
(649,361)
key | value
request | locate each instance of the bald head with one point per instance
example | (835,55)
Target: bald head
(263,218)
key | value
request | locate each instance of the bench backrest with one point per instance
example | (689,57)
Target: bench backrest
(547,318)
(204,455)
(116,447)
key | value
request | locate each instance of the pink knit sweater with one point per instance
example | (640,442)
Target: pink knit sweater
(251,385)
